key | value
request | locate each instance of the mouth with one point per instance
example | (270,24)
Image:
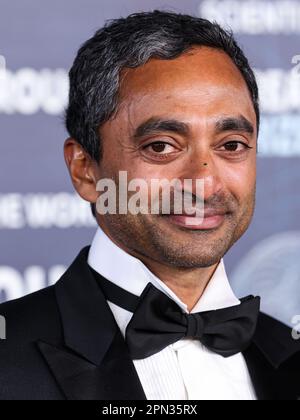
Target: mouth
(211,220)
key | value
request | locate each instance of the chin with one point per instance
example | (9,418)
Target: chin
(190,258)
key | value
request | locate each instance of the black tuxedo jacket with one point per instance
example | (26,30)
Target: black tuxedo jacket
(63,343)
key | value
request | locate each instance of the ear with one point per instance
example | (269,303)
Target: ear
(83,170)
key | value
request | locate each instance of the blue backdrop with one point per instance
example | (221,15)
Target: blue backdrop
(43,224)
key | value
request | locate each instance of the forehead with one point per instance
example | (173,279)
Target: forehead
(202,83)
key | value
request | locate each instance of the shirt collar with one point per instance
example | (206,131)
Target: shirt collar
(131,274)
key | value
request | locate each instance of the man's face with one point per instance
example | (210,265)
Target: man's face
(207,97)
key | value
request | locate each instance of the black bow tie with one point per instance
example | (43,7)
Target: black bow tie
(158,322)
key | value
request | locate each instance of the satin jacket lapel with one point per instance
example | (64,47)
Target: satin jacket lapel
(260,373)
(94,363)
(271,361)
(79,379)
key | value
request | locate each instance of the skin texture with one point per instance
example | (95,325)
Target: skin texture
(198,88)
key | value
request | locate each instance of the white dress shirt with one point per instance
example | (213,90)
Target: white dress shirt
(185,370)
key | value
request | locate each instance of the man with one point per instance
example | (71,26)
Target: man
(147,311)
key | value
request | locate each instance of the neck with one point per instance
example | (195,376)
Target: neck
(187,284)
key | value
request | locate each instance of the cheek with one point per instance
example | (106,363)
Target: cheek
(240,178)
(149,174)
(137,168)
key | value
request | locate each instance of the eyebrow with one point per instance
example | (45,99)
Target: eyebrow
(239,123)
(156,125)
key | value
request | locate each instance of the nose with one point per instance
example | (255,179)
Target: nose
(202,166)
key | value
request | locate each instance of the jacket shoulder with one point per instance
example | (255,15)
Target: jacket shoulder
(30,316)
(23,372)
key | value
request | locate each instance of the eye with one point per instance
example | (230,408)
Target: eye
(160,148)
(236,146)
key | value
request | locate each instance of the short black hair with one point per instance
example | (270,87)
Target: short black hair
(130,42)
